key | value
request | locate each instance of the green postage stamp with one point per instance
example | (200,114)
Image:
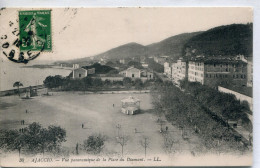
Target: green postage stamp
(35,30)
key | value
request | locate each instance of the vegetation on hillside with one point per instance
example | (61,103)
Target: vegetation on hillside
(100,69)
(172,46)
(222,41)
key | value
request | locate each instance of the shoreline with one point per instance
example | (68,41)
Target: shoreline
(23,90)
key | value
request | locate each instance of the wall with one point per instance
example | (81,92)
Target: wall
(239,96)
(112,78)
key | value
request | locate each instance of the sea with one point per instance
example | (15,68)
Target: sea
(12,72)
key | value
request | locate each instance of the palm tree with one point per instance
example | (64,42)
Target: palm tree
(17,84)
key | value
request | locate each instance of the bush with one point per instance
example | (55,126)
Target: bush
(94,144)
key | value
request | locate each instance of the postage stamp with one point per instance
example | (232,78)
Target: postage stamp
(35,30)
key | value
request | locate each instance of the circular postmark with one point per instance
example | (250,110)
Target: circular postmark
(28,36)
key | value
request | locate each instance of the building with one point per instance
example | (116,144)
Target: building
(134,73)
(130,105)
(131,72)
(167,69)
(179,70)
(146,74)
(122,61)
(161,59)
(216,71)
(82,72)
(75,66)
(145,65)
(250,72)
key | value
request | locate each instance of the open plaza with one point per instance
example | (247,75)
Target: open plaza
(85,114)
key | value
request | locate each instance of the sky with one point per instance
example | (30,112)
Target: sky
(84,32)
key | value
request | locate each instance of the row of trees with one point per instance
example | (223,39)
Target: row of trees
(225,106)
(91,82)
(187,114)
(33,139)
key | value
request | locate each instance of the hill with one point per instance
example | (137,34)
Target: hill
(224,40)
(130,50)
(172,46)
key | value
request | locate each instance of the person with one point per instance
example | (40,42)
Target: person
(135,130)
(26,111)
(166,128)
(82,125)
(77,148)
(113,105)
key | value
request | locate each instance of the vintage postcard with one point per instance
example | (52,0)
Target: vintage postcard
(126,86)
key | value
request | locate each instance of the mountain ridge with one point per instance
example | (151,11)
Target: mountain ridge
(222,40)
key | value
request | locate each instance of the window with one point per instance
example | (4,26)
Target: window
(79,75)
(133,75)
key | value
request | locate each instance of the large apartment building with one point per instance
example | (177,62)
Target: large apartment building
(167,69)
(179,70)
(217,71)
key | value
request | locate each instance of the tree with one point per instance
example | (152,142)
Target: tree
(135,64)
(34,139)
(94,144)
(145,144)
(138,83)
(122,140)
(127,82)
(55,136)
(107,82)
(12,140)
(17,84)
(97,82)
(168,142)
(88,81)
(53,81)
